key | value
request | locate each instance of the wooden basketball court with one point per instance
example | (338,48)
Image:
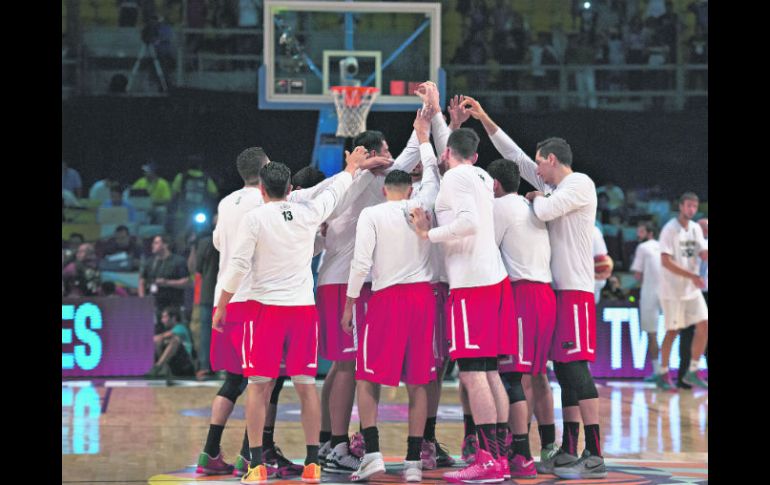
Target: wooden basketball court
(140,431)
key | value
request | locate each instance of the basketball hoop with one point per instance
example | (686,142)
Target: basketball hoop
(353,104)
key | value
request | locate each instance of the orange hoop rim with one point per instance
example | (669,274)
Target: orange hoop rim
(353,95)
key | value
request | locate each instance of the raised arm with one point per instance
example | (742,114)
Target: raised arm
(430,176)
(328,200)
(506,146)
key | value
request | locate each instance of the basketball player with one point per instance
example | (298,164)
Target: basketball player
(480,298)
(397,342)
(569,210)
(526,251)
(278,238)
(225,346)
(646,268)
(334,344)
(681,244)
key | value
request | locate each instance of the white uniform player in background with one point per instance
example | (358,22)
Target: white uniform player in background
(681,244)
(646,268)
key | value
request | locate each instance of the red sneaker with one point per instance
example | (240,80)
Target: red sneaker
(522,468)
(485,469)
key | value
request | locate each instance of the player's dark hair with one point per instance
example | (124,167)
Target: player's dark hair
(398,178)
(464,142)
(275,178)
(650,227)
(307,177)
(507,173)
(122,228)
(249,162)
(370,139)
(688,196)
(557,146)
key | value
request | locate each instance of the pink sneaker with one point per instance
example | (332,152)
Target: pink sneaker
(522,468)
(428,455)
(502,465)
(484,470)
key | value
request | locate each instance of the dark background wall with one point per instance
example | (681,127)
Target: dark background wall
(112,135)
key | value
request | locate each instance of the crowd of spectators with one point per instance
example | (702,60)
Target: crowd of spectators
(156,248)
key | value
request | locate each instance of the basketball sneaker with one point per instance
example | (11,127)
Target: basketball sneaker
(311,473)
(412,471)
(209,465)
(443,458)
(255,475)
(552,456)
(652,378)
(664,383)
(522,468)
(587,467)
(357,445)
(428,455)
(371,464)
(323,452)
(693,379)
(241,466)
(340,460)
(484,469)
(470,447)
(273,457)
(502,464)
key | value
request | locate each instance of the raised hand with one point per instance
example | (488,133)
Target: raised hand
(355,159)
(457,111)
(473,107)
(422,123)
(376,163)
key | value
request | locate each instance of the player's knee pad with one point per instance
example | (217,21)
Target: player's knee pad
(579,379)
(259,380)
(512,384)
(233,387)
(477,364)
(303,379)
(277,389)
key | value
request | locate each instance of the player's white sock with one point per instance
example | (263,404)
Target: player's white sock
(694,365)
(663,370)
(655,367)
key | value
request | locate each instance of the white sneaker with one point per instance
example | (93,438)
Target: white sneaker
(371,464)
(323,452)
(339,460)
(412,471)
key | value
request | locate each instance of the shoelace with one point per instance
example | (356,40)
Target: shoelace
(440,451)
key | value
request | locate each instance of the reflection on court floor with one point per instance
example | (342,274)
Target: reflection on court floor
(132,431)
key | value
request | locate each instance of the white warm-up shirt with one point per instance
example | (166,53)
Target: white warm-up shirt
(600,248)
(523,240)
(683,244)
(647,262)
(465,215)
(569,211)
(276,240)
(230,212)
(339,243)
(386,242)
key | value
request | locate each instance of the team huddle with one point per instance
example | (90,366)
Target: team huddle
(426,259)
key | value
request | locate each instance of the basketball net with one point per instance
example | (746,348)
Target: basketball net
(353,104)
